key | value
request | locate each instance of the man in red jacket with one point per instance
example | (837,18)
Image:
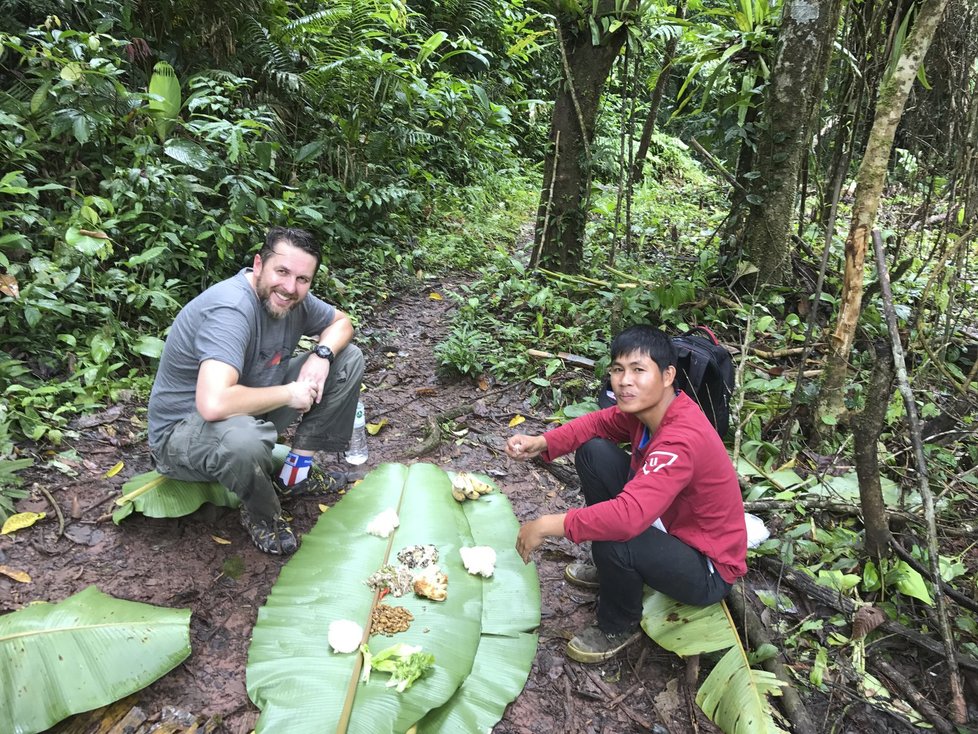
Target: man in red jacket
(670,515)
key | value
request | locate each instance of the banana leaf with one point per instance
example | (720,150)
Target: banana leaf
(302,686)
(154,495)
(82,653)
(733,696)
(510,613)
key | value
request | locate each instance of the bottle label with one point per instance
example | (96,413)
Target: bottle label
(359,421)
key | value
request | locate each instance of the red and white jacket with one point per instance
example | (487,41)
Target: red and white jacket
(683,476)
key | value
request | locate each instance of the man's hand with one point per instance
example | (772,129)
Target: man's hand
(525,447)
(534,532)
(315,371)
(301,395)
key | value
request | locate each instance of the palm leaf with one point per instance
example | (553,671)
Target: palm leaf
(301,685)
(734,696)
(84,652)
(154,495)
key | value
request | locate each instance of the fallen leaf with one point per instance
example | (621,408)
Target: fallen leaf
(9,286)
(114,470)
(516,420)
(435,296)
(483,383)
(76,510)
(20,521)
(220,541)
(374,428)
(323,508)
(551,494)
(16,575)
(95,234)
(425,392)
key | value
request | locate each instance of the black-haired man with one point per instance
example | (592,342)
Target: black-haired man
(228,385)
(670,515)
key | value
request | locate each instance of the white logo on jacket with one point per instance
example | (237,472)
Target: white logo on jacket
(657,460)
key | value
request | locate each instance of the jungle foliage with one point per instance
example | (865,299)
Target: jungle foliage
(148,146)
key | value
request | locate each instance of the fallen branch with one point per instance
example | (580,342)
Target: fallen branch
(957,688)
(790,701)
(777,353)
(831,598)
(433,437)
(596,679)
(566,357)
(906,689)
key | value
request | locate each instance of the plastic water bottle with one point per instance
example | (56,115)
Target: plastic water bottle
(357,453)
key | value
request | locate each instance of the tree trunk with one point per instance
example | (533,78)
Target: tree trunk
(808,28)
(869,188)
(657,93)
(867,427)
(562,214)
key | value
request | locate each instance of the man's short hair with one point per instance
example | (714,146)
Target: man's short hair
(646,340)
(291,236)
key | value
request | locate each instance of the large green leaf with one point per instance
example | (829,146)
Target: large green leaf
(301,685)
(155,495)
(734,696)
(82,653)
(686,630)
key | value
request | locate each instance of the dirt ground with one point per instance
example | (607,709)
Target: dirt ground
(176,563)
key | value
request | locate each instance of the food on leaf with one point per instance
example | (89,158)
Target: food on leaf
(405,663)
(384,523)
(387,620)
(395,579)
(466,486)
(418,556)
(479,560)
(344,635)
(431,583)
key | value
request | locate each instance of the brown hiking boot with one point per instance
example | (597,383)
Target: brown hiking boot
(582,575)
(593,646)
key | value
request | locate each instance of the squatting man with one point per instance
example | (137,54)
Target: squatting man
(229,384)
(670,515)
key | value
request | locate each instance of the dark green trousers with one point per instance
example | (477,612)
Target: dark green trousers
(237,452)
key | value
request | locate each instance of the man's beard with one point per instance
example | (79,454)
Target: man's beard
(265,296)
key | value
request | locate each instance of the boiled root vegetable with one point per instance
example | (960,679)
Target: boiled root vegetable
(466,486)
(432,584)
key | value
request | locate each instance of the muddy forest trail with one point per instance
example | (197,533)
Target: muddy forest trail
(454,423)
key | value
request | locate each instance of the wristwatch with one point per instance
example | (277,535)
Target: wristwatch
(324,352)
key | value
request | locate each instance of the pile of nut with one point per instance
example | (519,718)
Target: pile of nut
(388,620)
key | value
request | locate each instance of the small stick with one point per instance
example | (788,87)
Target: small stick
(57,510)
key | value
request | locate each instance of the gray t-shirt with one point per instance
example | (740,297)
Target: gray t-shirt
(228,323)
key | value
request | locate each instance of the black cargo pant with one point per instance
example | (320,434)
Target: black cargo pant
(654,557)
(237,452)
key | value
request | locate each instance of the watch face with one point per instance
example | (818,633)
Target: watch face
(324,352)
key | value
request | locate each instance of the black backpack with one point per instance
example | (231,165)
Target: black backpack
(704,371)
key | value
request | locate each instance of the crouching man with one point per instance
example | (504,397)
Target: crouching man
(670,515)
(228,384)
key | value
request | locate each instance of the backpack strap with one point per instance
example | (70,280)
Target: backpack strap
(709,333)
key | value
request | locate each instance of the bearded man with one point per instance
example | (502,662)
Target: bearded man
(229,384)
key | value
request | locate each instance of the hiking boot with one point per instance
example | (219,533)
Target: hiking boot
(270,536)
(317,483)
(592,645)
(583,575)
